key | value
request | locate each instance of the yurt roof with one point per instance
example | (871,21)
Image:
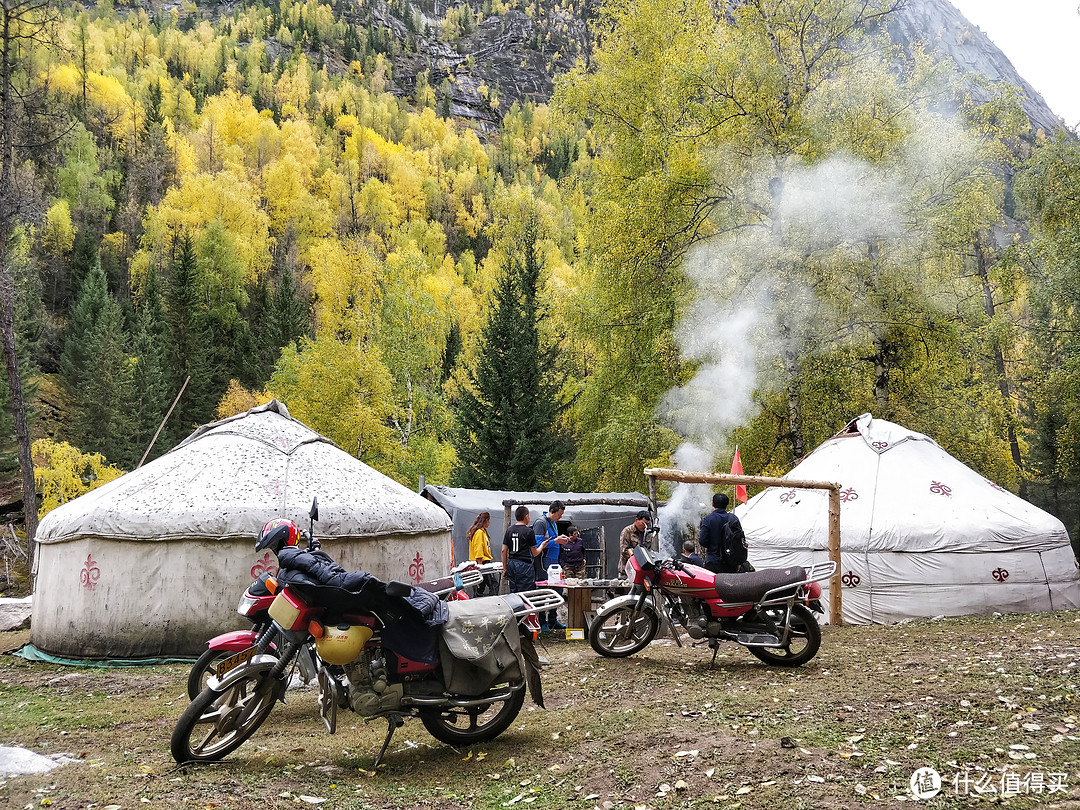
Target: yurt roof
(229,477)
(900,491)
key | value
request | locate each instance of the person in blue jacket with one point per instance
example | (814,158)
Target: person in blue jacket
(547,528)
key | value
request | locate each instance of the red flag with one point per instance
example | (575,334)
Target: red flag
(736,469)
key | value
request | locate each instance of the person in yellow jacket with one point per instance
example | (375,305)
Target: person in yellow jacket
(480,551)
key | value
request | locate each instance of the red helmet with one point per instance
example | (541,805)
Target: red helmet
(277,534)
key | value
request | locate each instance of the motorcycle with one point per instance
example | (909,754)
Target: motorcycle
(766,611)
(464,679)
(255,604)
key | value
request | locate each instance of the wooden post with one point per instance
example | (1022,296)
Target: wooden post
(836,615)
(836,612)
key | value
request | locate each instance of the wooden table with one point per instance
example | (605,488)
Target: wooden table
(579,596)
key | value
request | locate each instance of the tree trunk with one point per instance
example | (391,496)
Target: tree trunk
(8,204)
(1004,386)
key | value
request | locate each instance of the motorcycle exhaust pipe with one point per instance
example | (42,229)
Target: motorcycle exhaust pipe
(460,703)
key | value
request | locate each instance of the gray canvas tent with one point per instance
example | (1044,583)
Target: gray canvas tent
(615,513)
(921,534)
(154,562)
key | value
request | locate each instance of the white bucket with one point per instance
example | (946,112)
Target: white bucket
(554,573)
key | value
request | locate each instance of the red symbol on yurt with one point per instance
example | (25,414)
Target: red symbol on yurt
(940,489)
(416,569)
(90,573)
(879,445)
(787,496)
(996,486)
(849,494)
(1000,574)
(851,579)
(274,487)
(264,566)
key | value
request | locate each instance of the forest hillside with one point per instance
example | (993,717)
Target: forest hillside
(532,245)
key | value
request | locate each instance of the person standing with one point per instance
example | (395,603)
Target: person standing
(633,535)
(722,537)
(548,527)
(519,548)
(480,552)
(572,555)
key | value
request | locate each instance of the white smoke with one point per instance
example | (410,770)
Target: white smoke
(748,316)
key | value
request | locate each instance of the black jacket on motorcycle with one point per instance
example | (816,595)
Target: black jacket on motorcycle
(409,622)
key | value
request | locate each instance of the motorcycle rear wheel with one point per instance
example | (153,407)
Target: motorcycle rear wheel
(803,643)
(474,724)
(614,633)
(218,722)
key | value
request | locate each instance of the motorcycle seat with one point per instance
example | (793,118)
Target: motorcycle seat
(750,587)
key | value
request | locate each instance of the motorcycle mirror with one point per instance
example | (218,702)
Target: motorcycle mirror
(313,513)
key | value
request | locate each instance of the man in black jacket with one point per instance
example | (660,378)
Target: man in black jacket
(721,535)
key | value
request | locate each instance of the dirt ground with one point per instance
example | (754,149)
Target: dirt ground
(991,704)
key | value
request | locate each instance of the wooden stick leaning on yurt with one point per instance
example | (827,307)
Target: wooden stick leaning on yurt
(683,477)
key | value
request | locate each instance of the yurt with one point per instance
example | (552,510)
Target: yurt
(154,563)
(921,534)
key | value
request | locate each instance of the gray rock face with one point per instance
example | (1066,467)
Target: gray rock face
(514,55)
(942,30)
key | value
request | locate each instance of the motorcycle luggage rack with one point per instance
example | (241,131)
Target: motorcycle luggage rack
(797,590)
(535,600)
(468,579)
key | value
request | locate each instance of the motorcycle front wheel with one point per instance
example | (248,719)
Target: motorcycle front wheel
(468,725)
(218,722)
(203,669)
(617,633)
(803,642)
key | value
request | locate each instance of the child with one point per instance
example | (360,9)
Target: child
(572,555)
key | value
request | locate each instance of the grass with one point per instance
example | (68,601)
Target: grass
(971,696)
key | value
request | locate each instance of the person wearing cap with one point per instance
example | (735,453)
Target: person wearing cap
(631,536)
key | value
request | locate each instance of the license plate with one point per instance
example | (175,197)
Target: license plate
(233,661)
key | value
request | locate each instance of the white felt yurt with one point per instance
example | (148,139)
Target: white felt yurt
(921,534)
(154,562)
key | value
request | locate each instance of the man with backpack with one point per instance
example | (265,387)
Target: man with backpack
(721,535)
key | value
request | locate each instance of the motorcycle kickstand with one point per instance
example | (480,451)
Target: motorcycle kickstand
(715,649)
(394,721)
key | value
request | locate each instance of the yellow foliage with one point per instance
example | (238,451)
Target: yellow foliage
(238,399)
(344,279)
(63,472)
(202,198)
(65,79)
(58,235)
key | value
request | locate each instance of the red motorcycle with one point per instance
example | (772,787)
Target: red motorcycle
(463,670)
(255,604)
(767,611)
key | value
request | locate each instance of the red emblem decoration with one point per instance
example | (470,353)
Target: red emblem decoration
(879,445)
(995,486)
(851,579)
(416,569)
(787,496)
(1000,574)
(90,573)
(849,494)
(940,489)
(266,565)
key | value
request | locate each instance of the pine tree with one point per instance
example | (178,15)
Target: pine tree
(289,319)
(96,371)
(508,416)
(190,345)
(151,385)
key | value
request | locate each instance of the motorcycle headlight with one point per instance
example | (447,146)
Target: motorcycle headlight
(630,572)
(246,606)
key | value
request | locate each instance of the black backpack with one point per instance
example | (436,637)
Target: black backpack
(733,544)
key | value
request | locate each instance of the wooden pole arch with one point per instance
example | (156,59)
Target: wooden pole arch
(654,474)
